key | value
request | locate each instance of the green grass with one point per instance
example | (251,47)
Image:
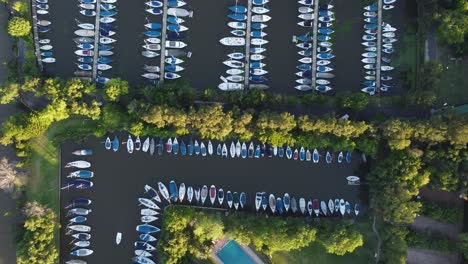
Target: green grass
(43,185)
(451,88)
(407,56)
(315,253)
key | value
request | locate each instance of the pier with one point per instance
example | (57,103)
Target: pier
(379,47)
(163,42)
(314,44)
(247,43)
(96,39)
(37,49)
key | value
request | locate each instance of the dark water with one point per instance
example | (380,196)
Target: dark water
(120,178)
(207,27)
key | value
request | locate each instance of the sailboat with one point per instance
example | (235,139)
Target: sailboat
(264,201)
(107,143)
(272,202)
(148,203)
(258,201)
(137,144)
(242,199)
(203,149)
(221,196)
(235,200)
(251,150)
(190,147)
(190,194)
(293,205)
(315,156)
(288,152)
(173,190)
(210,148)
(310,208)
(224,151)
(175,146)
(229,199)
(152,193)
(196,193)
(164,192)
(340,157)
(212,194)
(146,145)
(204,193)
(219,149)
(331,206)
(196,148)
(286,201)
(232,150)
(302,205)
(181,192)
(244,150)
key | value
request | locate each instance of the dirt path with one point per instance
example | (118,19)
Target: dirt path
(379,241)
(428,225)
(418,256)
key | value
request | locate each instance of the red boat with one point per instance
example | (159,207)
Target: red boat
(212,194)
(295,154)
(315,204)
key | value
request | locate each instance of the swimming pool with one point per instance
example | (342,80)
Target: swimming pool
(232,253)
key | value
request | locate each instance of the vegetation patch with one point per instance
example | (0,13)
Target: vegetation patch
(425,241)
(442,212)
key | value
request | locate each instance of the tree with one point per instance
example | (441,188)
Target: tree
(342,240)
(19,27)
(115,88)
(9,177)
(354,102)
(275,128)
(211,122)
(463,244)
(394,245)
(398,133)
(37,246)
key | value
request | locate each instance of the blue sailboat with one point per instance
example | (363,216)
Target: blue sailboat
(152,34)
(196,148)
(325,56)
(183,149)
(238,16)
(302,154)
(288,152)
(105,47)
(257,34)
(175,36)
(85,59)
(190,147)
(175,146)
(173,191)
(153,25)
(47,54)
(82,174)
(280,152)
(79,202)
(145,228)
(238,9)
(203,149)
(258,26)
(109,13)
(305,38)
(257,152)
(325,31)
(304,67)
(328,158)
(315,156)
(258,78)
(115,144)
(242,199)
(175,20)
(264,201)
(105,60)
(279,205)
(348,157)
(218,149)
(160,147)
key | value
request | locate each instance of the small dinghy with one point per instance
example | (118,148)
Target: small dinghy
(190,194)
(264,201)
(78,219)
(147,237)
(163,191)
(148,203)
(148,212)
(286,202)
(221,196)
(315,156)
(148,218)
(181,192)
(272,203)
(229,199)
(79,228)
(242,199)
(331,206)
(82,252)
(196,148)
(235,200)
(144,246)
(83,174)
(258,201)
(115,144)
(212,194)
(79,211)
(328,157)
(146,228)
(80,164)
(183,148)
(204,194)
(173,191)
(224,152)
(323,207)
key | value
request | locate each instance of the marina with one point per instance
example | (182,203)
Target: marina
(276,66)
(237,179)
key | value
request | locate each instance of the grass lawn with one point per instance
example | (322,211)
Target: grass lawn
(451,88)
(43,185)
(406,59)
(315,253)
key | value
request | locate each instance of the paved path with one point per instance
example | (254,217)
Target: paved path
(418,256)
(426,224)
(7,246)
(379,241)
(431,46)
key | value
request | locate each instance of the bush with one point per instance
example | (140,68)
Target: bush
(442,212)
(425,241)
(19,27)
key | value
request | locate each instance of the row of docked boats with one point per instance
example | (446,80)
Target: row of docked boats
(288,204)
(78,210)
(87,34)
(43,26)
(174,45)
(370,38)
(240,34)
(323,52)
(145,247)
(235,149)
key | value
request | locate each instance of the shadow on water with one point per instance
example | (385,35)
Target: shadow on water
(120,178)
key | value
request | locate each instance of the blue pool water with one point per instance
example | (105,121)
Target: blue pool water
(232,253)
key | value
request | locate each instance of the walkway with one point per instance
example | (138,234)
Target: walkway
(163,41)
(247,43)
(417,256)
(96,39)
(36,36)
(7,246)
(379,241)
(314,45)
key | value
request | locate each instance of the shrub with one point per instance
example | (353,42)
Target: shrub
(19,27)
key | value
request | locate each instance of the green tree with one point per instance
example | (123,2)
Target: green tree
(342,240)
(37,245)
(463,244)
(115,88)
(211,122)
(275,128)
(394,245)
(398,133)
(353,101)
(19,27)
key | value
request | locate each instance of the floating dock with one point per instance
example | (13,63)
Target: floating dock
(379,47)
(247,44)
(96,39)
(163,42)
(36,37)
(314,44)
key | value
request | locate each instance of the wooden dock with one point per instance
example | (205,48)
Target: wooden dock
(96,39)
(37,49)
(379,46)
(247,44)
(163,42)
(314,44)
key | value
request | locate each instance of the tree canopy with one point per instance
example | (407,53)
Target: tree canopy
(19,27)
(342,240)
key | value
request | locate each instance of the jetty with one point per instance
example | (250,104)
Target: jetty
(379,47)
(314,44)
(247,43)
(96,39)
(163,41)
(37,49)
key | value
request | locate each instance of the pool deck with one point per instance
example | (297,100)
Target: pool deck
(220,244)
